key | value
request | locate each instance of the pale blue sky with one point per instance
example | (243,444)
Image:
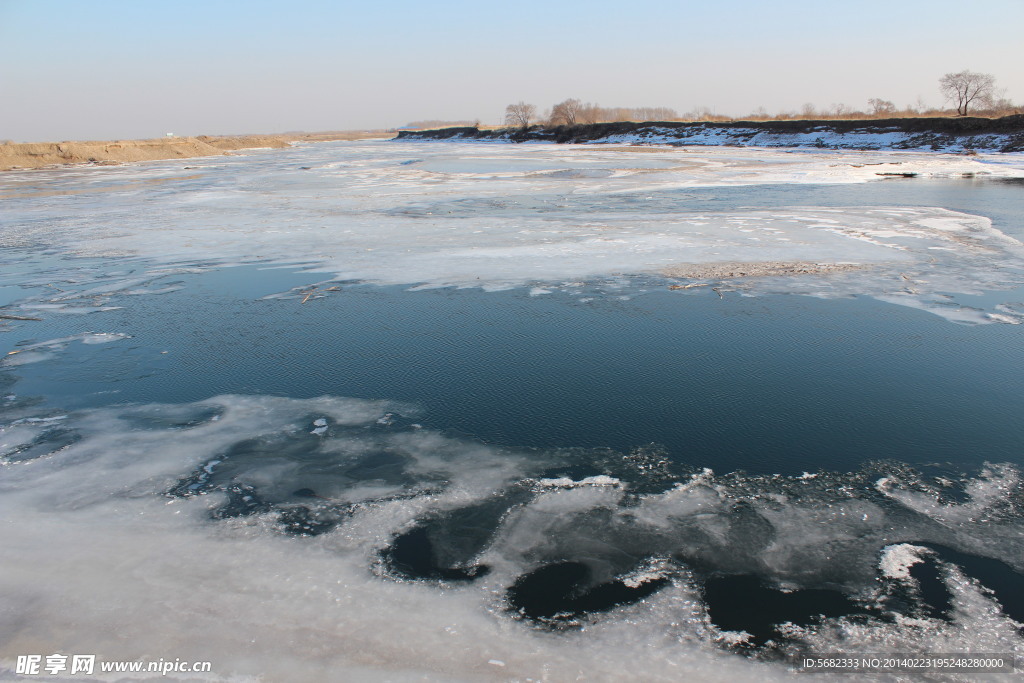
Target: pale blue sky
(97,69)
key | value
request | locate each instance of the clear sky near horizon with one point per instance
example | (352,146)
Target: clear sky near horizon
(129,68)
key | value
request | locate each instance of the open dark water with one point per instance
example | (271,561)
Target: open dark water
(553,450)
(769,384)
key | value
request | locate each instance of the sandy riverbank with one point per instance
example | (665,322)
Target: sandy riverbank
(43,154)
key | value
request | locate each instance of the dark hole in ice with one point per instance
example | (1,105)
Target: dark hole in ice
(47,443)
(935,598)
(560,594)
(195,483)
(301,521)
(1004,582)
(444,547)
(744,603)
(242,502)
(411,555)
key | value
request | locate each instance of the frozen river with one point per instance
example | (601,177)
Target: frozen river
(490,412)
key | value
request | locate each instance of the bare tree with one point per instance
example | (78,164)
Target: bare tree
(701,113)
(438,123)
(1001,106)
(590,113)
(566,113)
(654,114)
(520,114)
(967,87)
(838,110)
(880,107)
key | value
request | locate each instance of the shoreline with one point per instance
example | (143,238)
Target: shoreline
(951,135)
(23,156)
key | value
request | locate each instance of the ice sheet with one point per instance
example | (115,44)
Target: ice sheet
(498,217)
(100,541)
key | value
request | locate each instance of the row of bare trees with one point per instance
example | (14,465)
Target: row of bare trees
(967,90)
(573,111)
(442,123)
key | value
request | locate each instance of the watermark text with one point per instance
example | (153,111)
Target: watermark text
(957,662)
(87,665)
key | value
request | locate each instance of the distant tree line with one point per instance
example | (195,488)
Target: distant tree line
(572,112)
(968,91)
(438,123)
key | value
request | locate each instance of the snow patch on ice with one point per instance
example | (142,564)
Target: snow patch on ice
(45,350)
(567,483)
(897,560)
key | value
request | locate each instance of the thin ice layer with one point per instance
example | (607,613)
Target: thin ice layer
(472,215)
